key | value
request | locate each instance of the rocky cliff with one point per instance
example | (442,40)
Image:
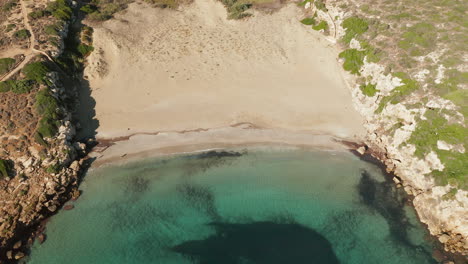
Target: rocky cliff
(442,206)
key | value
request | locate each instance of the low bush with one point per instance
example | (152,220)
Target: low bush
(19,87)
(5,168)
(47,107)
(51,30)
(434,128)
(399,92)
(60,10)
(22,34)
(354,26)
(85,50)
(10,27)
(37,72)
(308,21)
(38,14)
(368,89)
(322,25)
(320,4)
(9,5)
(6,64)
(354,59)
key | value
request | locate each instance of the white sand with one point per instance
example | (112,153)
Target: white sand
(160,70)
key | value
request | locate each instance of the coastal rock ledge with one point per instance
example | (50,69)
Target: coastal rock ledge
(444,213)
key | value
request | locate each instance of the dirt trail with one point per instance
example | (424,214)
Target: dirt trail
(31,52)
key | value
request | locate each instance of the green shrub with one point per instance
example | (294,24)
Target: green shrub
(10,27)
(19,87)
(303,3)
(85,50)
(9,5)
(421,34)
(47,107)
(36,71)
(354,26)
(22,34)
(425,138)
(354,59)
(308,21)
(5,168)
(322,25)
(4,87)
(37,14)
(88,9)
(60,10)
(51,30)
(368,89)
(320,4)
(38,138)
(6,64)
(54,168)
(399,92)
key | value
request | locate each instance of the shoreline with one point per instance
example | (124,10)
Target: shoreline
(146,145)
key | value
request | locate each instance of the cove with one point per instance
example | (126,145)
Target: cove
(242,206)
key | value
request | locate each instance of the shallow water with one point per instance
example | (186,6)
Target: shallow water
(275,206)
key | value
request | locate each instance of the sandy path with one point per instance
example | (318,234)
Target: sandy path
(29,53)
(163,70)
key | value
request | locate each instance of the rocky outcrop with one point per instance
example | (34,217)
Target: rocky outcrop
(43,178)
(446,218)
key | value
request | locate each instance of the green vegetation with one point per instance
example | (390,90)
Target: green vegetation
(320,4)
(5,167)
(6,64)
(399,92)
(308,21)
(84,49)
(450,195)
(10,27)
(303,3)
(60,10)
(22,34)
(354,59)
(368,89)
(47,107)
(54,168)
(425,138)
(51,30)
(354,26)
(418,39)
(104,10)
(37,72)
(19,87)
(38,14)
(236,9)
(88,9)
(322,25)
(9,5)
(164,3)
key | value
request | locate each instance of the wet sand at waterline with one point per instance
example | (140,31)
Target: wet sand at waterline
(161,70)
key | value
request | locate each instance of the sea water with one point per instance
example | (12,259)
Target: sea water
(252,206)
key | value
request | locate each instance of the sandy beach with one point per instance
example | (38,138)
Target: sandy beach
(164,72)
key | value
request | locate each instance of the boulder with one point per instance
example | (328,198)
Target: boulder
(68,207)
(17,245)
(41,237)
(361,150)
(19,255)
(444,238)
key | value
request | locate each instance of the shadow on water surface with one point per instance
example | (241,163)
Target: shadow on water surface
(388,201)
(260,243)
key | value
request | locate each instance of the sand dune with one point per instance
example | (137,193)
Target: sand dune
(165,70)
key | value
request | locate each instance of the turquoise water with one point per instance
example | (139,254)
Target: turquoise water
(256,206)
